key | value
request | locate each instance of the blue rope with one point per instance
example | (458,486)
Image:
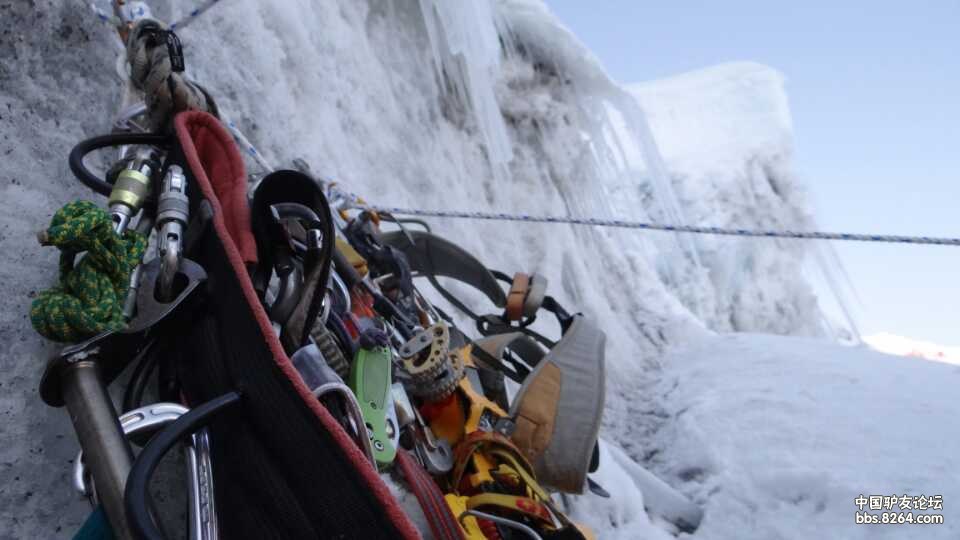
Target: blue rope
(192,16)
(619,223)
(354,201)
(115,21)
(671,228)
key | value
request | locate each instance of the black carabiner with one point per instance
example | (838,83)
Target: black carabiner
(83,148)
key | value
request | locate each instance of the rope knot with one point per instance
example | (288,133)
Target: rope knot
(166,91)
(89,297)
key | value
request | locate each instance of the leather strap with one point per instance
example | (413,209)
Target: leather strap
(535,412)
(517,295)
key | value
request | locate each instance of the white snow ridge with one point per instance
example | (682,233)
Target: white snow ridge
(723,379)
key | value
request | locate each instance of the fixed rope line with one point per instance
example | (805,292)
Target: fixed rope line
(245,144)
(192,15)
(114,21)
(105,17)
(624,224)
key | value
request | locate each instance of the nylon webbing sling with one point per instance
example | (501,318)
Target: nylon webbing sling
(284,467)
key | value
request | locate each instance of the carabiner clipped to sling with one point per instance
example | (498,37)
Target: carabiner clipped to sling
(190,423)
(202,512)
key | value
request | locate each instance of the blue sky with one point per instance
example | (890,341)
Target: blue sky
(874,90)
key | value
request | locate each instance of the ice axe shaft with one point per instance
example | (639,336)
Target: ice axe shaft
(105,448)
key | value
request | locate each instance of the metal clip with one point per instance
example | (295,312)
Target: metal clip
(288,294)
(132,188)
(126,118)
(501,521)
(434,454)
(326,384)
(202,523)
(341,290)
(173,214)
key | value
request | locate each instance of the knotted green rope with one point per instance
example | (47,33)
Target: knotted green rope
(89,298)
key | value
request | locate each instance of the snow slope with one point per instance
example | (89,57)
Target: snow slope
(777,436)
(393,99)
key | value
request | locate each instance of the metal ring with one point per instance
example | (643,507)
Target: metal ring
(502,521)
(353,413)
(143,419)
(202,516)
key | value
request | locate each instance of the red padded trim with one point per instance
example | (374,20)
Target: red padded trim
(216,162)
(213,158)
(442,522)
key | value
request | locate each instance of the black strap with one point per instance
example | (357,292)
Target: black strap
(135,493)
(518,372)
(489,325)
(287,186)
(83,148)
(431,276)
(325,260)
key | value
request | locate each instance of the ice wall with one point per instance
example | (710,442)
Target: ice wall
(726,135)
(712,147)
(497,106)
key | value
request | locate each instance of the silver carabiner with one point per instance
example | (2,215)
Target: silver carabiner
(143,420)
(173,216)
(202,524)
(502,521)
(342,289)
(433,453)
(324,382)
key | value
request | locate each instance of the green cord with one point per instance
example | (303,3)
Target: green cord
(90,295)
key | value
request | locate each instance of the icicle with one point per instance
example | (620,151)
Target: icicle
(466,53)
(823,253)
(636,122)
(623,157)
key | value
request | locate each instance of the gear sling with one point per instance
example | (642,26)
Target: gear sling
(285,468)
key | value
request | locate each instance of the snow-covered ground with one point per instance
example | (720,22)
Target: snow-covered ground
(773,436)
(777,436)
